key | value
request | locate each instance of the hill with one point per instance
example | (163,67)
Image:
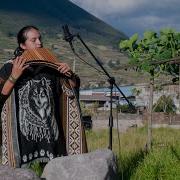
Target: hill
(49,16)
(55,13)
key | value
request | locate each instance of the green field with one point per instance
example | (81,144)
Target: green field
(134,162)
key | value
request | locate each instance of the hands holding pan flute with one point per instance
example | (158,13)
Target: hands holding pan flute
(17,70)
(18,67)
(66,70)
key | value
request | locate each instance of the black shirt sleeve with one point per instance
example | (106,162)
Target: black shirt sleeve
(5,71)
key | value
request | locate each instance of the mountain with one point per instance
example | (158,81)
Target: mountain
(54,14)
(49,16)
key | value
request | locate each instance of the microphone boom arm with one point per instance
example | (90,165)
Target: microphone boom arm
(107,74)
(69,37)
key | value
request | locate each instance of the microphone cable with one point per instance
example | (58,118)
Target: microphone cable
(85,62)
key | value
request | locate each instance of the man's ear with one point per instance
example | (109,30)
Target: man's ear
(22,46)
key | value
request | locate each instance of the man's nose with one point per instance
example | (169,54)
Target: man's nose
(38,41)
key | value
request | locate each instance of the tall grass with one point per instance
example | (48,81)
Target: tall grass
(134,162)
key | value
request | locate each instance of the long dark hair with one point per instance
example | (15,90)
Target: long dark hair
(21,38)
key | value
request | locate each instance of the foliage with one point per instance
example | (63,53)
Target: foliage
(85,110)
(165,104)
(136,91)
(114,64)
(89,110)
(153,48)
(37,167)
(158,87)
(125,108)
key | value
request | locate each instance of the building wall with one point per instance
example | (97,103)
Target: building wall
(163,118)
(143,98)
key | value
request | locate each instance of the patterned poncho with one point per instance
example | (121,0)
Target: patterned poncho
(41,118)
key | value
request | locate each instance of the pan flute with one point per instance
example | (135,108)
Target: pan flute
(41,56)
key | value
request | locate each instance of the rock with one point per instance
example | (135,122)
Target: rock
(97,165)
(9,173)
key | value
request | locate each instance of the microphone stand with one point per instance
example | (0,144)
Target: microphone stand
(112,83)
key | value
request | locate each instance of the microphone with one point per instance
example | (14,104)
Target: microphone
(68,36)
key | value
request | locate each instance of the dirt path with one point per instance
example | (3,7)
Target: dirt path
(123,125)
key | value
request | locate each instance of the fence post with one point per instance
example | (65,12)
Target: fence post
(149,143)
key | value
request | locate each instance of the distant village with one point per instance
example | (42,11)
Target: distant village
(138,95)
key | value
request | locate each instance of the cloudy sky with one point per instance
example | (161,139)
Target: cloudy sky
(131,16)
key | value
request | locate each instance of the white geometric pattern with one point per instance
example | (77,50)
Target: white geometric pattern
(4,135)
(74,125)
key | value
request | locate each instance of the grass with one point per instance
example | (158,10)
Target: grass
(134,162)
(37,167)
(159,164)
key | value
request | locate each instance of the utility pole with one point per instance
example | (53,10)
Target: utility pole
(150,116)
(179,90)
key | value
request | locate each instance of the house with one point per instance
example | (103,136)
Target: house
(142,99)
(101,96)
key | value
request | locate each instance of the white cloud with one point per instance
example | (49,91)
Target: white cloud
(154,22)
(132,16)
(139,24)
(102,8)
(148,21)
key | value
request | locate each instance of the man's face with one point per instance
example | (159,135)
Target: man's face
(33,40)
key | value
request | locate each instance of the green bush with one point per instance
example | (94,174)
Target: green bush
(125,108)
(37,167)
(165,104)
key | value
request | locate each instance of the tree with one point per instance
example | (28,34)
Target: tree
(165,104)
(152,48)
(145,52)
(136,91)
